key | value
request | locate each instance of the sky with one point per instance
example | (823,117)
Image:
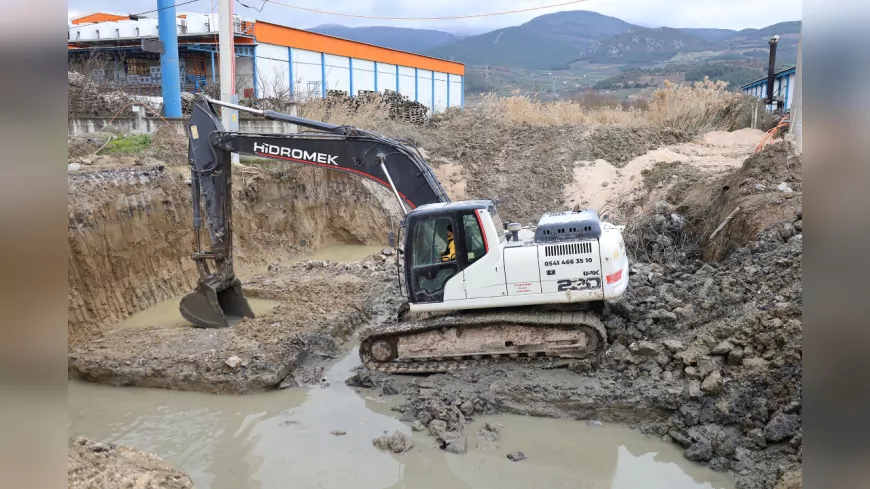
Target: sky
(730,14)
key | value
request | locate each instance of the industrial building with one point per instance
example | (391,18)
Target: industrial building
(271,60)
(783,90)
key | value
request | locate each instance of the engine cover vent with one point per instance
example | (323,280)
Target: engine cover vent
(568,249)
(568,226)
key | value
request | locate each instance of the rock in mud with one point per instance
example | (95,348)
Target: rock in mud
(722,348)
(488,433)
(735,356)
(782,426)
(417,425)
(361,379)
(398,442)
(425,418)
(756,436)
(516,456)
(700,451)
(437,427)
(713,383)
(695,389)
(233,362)
(467,408)
(673,345)
(109,466)
(458,446)
(389,388)
(644,348)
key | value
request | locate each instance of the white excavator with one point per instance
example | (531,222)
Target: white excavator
(478,290)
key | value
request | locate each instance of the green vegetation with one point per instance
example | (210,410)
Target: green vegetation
(132,144)
(734,75)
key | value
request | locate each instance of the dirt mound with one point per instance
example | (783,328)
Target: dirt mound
(767,189)
(618,145)
(83,146)
(169,145)
(110,466)
(526,167)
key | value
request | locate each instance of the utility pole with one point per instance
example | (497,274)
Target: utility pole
(795,127)
(229,117)
(169,69)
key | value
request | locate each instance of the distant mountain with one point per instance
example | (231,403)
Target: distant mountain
(645,45)
(546,42)
(709,34)
(790,27)
(405,39)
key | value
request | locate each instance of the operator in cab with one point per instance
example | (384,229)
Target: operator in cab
(450,253)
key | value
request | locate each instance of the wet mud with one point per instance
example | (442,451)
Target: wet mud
(321,436)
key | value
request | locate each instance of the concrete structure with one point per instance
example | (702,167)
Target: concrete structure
(783,86)
(271,60)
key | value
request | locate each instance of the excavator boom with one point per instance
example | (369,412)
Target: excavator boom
(391,163)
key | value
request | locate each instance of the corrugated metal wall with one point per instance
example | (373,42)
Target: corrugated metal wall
(315,73)
(783,85)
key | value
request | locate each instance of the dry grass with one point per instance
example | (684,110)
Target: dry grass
(693,108)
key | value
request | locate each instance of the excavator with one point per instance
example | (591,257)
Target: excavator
(478,290)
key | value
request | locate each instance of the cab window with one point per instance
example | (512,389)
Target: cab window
(474,243)
(432,244)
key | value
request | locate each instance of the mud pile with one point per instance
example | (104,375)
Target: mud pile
(321,305)
(526,167)
(130,231)
(109,466)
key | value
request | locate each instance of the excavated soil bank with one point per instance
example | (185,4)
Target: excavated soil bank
(109,466)
(526,167)
(130,232)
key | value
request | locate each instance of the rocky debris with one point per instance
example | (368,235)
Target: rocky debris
(792,479)
(722,348)
(233,362)
(782,426)
(489,433)
(388,388)
(644,348)
(458,446)
(700,451)
(712,383)
(111,466)
(516,456)
(362,378)
(398,442)
(417,425)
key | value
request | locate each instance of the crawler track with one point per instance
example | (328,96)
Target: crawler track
(380,346)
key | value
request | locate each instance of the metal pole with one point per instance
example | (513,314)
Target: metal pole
(171,83)
(389,179)
(229,117)
(796,125)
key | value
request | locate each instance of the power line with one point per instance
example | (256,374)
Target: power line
(454,17)
(135,16)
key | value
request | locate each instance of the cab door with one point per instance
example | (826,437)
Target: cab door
(433,262)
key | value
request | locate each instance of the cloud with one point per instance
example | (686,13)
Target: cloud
(733,14)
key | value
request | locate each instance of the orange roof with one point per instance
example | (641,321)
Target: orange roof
(98,17)
(280,35)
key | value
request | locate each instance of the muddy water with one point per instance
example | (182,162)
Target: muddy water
(165,314)
(284,439)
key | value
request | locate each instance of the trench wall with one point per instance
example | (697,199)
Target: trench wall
(130,233)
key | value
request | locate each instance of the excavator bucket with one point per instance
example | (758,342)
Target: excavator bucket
(207,307)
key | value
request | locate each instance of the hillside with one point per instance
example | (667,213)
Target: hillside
(645,45)
(709,34)
(546,42)
(406,39)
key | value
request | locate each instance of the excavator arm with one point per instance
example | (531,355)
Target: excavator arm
(397,166)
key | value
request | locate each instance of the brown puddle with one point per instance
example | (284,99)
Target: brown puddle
(283,439)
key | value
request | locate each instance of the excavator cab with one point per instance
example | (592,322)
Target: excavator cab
(442,240)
